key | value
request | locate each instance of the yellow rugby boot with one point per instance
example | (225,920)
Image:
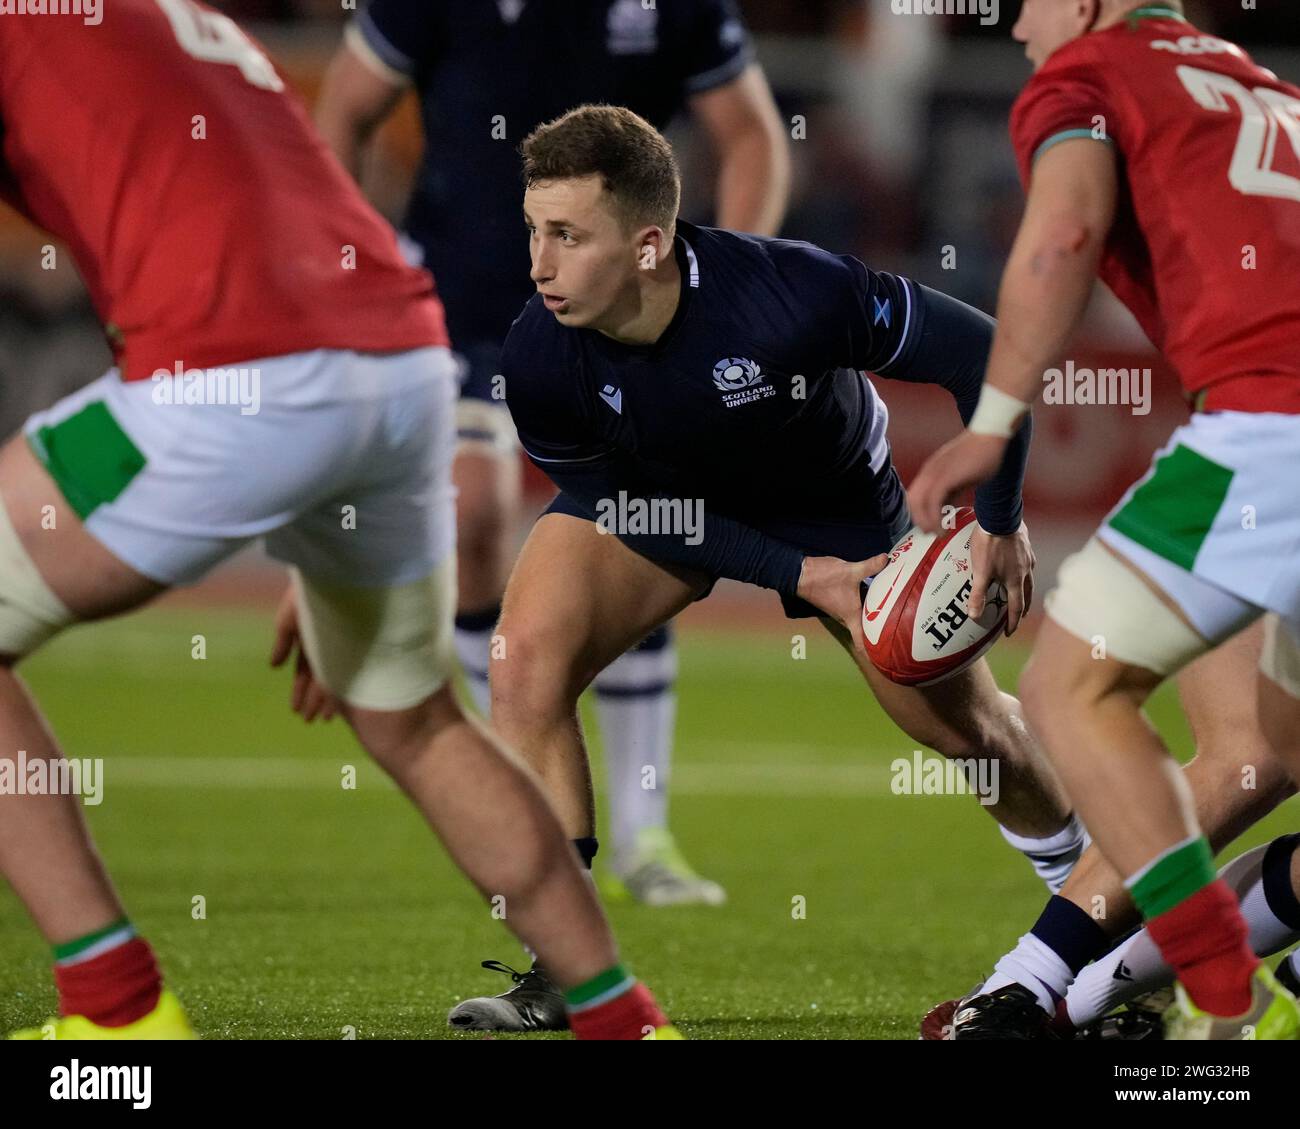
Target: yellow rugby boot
(1273,1015)
(166,1021)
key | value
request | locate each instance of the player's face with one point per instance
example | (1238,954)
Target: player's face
(584,260)
(1045,25)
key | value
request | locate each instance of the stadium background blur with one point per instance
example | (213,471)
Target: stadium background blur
(782,785)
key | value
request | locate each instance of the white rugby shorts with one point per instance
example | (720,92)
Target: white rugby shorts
(340,461)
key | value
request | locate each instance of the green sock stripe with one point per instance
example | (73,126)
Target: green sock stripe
(619,990)
(81,944)
(1174,878)
(597,986)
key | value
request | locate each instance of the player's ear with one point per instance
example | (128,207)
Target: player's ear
(651,245)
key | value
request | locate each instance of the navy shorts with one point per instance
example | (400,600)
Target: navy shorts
(846,540)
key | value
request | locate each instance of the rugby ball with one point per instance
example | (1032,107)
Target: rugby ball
(914,614)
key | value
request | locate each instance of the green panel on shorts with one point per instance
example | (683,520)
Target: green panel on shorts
(1172,511)
(89,456)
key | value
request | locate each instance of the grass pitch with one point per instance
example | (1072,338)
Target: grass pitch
(326,910)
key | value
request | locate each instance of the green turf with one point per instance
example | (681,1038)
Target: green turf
(329,909)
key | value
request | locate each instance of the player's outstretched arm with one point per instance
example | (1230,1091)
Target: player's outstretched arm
(1045,290)
(712,544)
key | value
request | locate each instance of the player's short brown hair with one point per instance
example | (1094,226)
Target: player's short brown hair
(633,159)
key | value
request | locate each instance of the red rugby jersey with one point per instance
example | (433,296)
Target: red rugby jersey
(210,222)
(1209,148)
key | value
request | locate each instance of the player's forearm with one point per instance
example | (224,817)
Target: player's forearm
(722,547)
(1045,291)
(1050,272)
(999,505)
(753,186)
(716,546)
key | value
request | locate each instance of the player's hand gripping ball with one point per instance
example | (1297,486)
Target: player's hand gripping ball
(915,616)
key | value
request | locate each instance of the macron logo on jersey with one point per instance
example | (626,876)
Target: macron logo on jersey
(613,397)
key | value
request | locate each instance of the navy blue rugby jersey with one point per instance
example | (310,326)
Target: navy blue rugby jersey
(487,74)
(755,399)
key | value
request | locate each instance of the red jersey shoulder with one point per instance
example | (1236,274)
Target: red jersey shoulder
(1068,92)
(247,240)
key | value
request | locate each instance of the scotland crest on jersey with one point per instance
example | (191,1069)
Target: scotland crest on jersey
(633,28)
(740,380)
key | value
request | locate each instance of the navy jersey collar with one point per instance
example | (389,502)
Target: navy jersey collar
(688,269)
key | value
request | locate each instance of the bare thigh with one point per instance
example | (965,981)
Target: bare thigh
(576,600)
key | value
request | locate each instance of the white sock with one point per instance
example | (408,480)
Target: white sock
(1132,968)
(473,637)
(1033,965)
(1053,857)
(1135,966)
(637,708)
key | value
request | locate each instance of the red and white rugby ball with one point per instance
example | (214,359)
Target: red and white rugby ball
(915,619)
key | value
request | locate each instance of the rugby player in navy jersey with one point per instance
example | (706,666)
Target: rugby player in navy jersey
(725,372)
(486,75)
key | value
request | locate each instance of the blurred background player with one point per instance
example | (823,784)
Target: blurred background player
(1205,543)
(173,460)
(486,75)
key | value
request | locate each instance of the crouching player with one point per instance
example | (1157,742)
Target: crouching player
(484,60)
(248,247)
(1167,160)
(660,360)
